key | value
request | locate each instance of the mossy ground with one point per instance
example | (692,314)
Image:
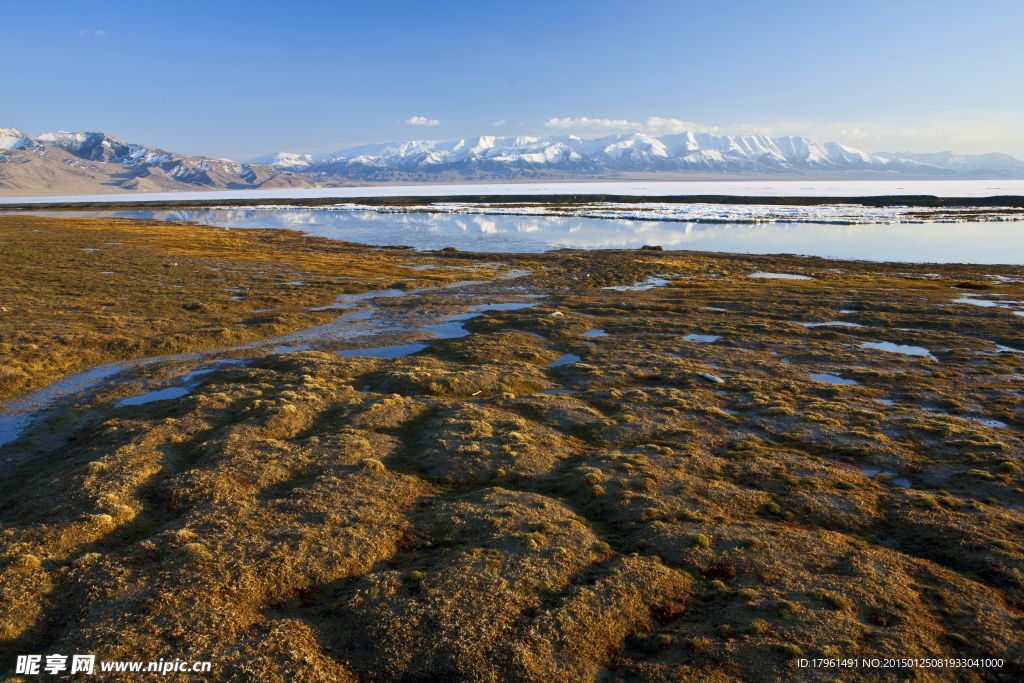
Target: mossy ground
(81,292)
(454,523)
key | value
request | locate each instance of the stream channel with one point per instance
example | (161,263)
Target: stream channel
(441,314)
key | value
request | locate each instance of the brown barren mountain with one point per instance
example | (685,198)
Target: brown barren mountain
(97,163)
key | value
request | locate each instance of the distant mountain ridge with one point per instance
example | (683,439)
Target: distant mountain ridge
(989,165)
(65,163)
(635,153)
(88,162)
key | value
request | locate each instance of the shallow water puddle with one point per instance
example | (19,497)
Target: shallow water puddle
(650,283)
(566,359)
(161,395)
(832,379)
(353,300)
(983,421)
(16,415)
(984,303)
(899,348)
(500,307)
(701,338)
(292,349)
(1000,347)
(780,276)
(989,422)
(391,352)
(831,323)
(594,333)
(451,328)
(187,380)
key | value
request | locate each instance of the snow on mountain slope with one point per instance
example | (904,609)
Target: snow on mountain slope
(636,152)
(62,161)
(963,163)
(12,138)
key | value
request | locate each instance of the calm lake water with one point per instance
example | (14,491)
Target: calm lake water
(994,242)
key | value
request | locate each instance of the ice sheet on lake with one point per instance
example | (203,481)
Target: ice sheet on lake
(649,188)
(840,214)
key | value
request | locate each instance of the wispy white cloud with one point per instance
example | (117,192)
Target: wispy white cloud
(101,32)
(498,123)
(963,136)
(659,126)
(655,125)
(422,121)
(592,124)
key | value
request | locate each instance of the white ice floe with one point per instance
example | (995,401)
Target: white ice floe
(748,188)
(836,214)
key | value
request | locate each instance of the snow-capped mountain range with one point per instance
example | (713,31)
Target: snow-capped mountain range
(635,153)
(64,163)
(70,163)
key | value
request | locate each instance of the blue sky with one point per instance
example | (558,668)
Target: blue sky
(241,79)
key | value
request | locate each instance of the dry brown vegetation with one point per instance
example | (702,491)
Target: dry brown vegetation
(80,292)
(311,517)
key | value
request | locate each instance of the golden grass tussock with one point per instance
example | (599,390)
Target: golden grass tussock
(474,511)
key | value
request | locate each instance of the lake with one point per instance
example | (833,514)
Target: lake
(965,242)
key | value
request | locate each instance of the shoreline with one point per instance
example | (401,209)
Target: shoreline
(929,201)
